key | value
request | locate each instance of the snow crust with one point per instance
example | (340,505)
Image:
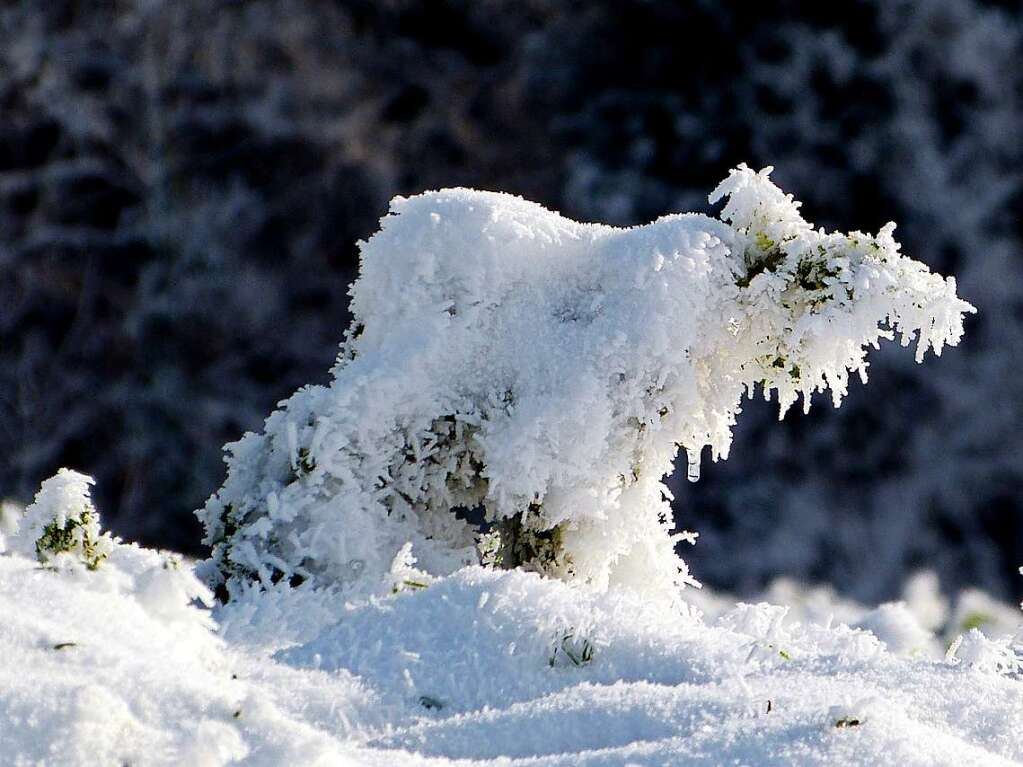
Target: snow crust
(504,357)
(103,667)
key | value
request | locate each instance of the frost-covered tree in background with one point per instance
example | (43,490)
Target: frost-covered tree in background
(504,357)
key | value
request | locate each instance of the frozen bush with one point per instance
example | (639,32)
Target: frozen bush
(61,526)
(973,650)
(545,372)
(991,655)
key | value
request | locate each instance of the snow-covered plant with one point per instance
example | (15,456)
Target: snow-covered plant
(988,654)
(404,574)
(62,525)
(571,649)
(974,650)
(511,363)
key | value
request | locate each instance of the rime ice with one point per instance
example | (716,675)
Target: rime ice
(505,357)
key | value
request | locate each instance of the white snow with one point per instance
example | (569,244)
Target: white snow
(116,666)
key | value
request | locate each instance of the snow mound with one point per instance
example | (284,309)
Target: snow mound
(121,666)
(100,667)
(108,667)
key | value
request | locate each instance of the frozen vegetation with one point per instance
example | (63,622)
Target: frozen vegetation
(542,373)
(460,550)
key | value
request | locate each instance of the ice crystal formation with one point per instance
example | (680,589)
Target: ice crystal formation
(545,373)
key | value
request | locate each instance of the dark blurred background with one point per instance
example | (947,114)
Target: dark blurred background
(182,183)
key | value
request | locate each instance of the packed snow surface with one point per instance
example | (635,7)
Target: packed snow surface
(118,667)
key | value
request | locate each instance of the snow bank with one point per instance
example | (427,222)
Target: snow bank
(101,667)
(120,667)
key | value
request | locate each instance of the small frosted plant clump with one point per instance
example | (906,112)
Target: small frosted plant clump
(513,543)
(515,386)
(404,574)
(63,525)
(974,650)
(571,650)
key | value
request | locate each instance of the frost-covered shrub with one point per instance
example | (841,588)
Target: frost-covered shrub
(61,525)
(974,650)
(988,654)
(404,574)
(504,357)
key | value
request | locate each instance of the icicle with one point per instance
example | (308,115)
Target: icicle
(693,473)
(292,435)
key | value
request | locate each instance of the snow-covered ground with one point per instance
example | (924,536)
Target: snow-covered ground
(116,666)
